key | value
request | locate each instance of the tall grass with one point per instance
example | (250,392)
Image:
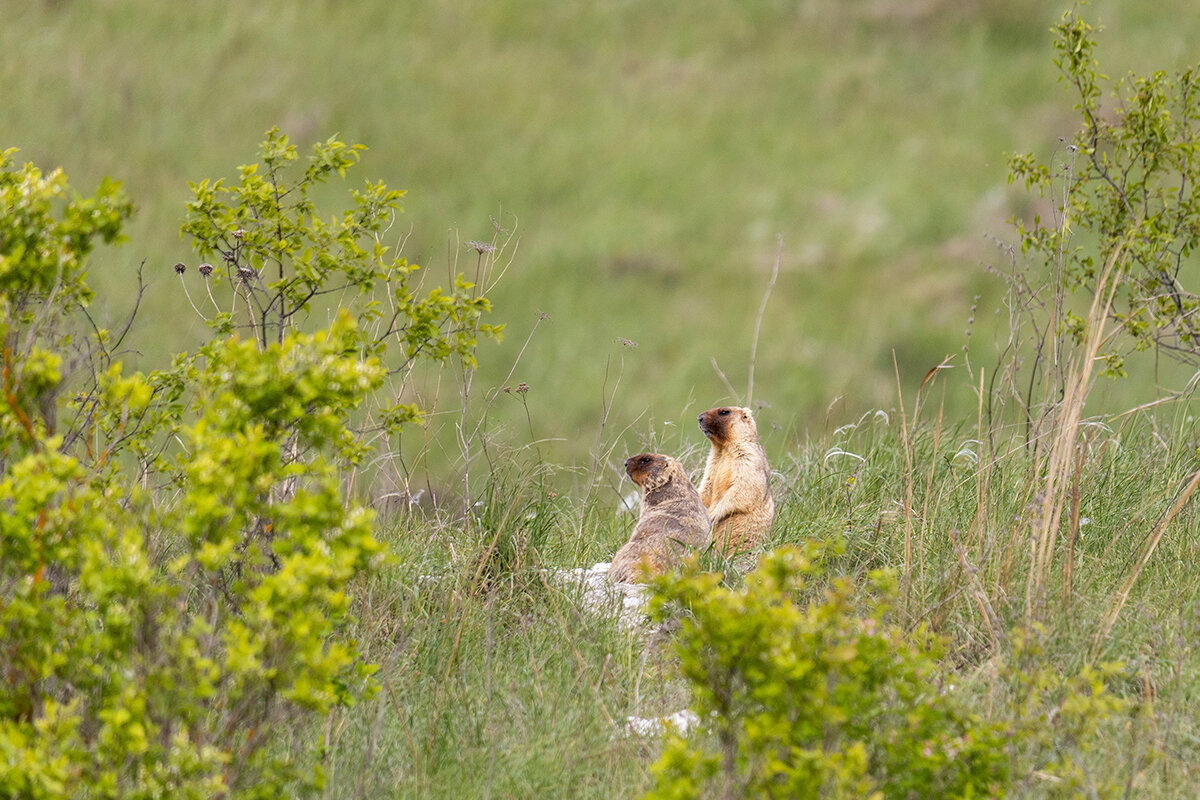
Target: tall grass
(495,681)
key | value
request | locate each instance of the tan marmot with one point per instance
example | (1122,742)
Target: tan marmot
(671,519)
(735,487)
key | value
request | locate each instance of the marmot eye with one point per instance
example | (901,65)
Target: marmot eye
(724,412)
(646,459)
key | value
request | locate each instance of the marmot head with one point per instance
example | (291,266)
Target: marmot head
(651,470)
(727,423)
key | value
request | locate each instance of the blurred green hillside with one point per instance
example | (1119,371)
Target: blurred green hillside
(648,156)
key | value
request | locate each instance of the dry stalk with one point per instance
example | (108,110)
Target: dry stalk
(906,578)
(1156,535)
(601,452)
(909,470)
(725,380)
(1131,523)
(983,476)
(1068,586)
(762,309)
(928,490)
(1066,433)
(986,609)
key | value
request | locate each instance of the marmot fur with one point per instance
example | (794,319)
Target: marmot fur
(671,518)
(735,487)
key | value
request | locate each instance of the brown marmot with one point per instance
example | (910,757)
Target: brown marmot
(735,488)
(671,518)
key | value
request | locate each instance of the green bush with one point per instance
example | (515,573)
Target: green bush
(282,259)
(813,699)
(174,564)
(807,689)
(149,649)
(1125,222)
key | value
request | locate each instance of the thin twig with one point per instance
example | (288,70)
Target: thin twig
(762,309)
(728,386)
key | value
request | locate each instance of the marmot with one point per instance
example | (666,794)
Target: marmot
(735,487)
(672,518)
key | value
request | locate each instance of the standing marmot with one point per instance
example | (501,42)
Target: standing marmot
(735,486)
(671,519)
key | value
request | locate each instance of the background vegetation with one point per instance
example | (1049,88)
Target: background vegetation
(647,159)
(647,155)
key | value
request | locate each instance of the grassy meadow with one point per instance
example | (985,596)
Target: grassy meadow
(496,682)
(648,159)
(647,166)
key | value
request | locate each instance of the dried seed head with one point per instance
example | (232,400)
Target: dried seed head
(180,268)
(205,269)
(229,256)
(239,233)
(245,273)
(480,247)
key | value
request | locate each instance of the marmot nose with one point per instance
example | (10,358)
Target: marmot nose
(699,418)
(628,461)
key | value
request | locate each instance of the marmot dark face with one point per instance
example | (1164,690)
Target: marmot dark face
(718,423)
(644,467)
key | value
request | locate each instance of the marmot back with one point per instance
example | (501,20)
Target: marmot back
(671,519)
(736,484)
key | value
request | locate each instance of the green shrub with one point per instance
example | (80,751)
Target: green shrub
(283,260)
(174,566)
(808,690)
(150,651)
(813,699)
(1124,219)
